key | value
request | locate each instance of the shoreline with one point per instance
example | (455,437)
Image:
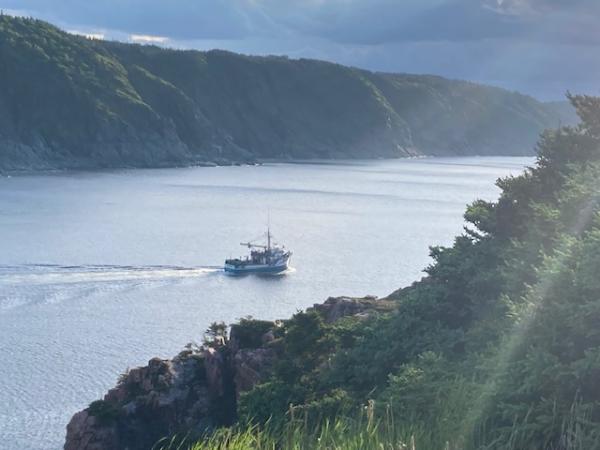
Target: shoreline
(258,162)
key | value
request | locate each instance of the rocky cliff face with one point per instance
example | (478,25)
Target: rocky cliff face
(149,402)
(334,308)
(192,393)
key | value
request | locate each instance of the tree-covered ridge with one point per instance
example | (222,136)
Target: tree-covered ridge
(498,346)
(68,101)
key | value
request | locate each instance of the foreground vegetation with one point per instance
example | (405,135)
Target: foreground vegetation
(498,347)
(366,433)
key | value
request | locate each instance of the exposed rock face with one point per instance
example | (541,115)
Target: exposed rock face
(336,308)
(187,395)
(193,392)
(249,367)
(151,402)
(86,432)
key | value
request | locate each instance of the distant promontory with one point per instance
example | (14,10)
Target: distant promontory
(71,102)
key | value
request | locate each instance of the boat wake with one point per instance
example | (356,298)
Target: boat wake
(64,274)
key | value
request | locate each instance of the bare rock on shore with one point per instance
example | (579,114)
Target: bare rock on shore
(188,395)
(195,391)
(160,399)
(336,308)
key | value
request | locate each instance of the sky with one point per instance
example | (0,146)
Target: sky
(540,47)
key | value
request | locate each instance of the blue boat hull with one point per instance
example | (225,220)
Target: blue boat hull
(247,270)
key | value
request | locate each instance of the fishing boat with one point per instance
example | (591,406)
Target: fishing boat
(264,258)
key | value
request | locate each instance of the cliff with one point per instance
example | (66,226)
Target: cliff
(71,102)
(197,390)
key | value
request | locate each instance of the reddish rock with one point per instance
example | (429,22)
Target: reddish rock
(149,403)
(85,433)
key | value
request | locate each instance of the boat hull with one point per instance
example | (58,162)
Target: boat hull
(255,268)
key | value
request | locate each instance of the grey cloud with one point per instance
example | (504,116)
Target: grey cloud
(181,19)
(541,6)
(378,21)
(540,46)
(347,21)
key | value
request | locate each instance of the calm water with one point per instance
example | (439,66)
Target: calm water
(102,271)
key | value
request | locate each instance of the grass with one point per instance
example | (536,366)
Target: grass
(336,435)
(362,433)
(368,433)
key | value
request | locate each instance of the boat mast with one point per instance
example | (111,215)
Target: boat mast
(268,230)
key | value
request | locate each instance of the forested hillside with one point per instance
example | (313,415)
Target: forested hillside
(497,347)
(68,101)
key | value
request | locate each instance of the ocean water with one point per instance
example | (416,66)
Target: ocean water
(102,271)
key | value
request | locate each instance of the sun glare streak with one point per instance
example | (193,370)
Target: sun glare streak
(534,300)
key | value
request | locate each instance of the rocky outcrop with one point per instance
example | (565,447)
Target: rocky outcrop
(249,367)
(85,431)
(161,399)
(188,395)
(336,308)
(195,391)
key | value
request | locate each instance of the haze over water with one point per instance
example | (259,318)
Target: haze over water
(102,271)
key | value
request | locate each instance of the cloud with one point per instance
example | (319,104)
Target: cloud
(374,22)
(540,46)
(182,19)
(90,35)
(541,6)
(378,21)
(368,22)
(148,39)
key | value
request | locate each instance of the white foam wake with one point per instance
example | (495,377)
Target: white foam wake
(64,274)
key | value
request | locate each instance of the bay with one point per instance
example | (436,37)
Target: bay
(100,271)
